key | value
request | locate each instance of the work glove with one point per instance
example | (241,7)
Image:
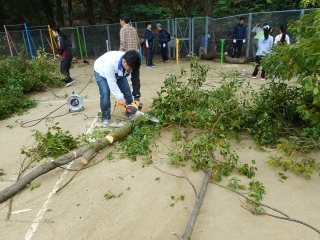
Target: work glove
(244,41)
(164,45)
(234,41)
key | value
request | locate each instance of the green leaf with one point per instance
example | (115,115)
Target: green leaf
(172,197)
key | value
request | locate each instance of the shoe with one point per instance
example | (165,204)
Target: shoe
(262,79)
(149,66)
(69,83)
(152,65)
(166,61)
(253,77)
(105,123)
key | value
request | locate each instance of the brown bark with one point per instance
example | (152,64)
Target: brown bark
(70,18)
(60,17)
(86,152)
(235,60)
(196,208)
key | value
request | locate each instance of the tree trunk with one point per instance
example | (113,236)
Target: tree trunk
(207,7)
(235,60)
(70,18)
(60,17)
(89,12)
(85,152)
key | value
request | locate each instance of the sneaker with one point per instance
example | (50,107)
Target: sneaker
(262,78)
(253,77)
(105,123)
(152,65)
(149,66)
(166,61)
(69,83)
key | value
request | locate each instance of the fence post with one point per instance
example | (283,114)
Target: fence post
(177,50)
(41,39)
(249,34)
(108,35)
(84,42)
(80,44)
(192,36)
(24,41)
(206,35)
(168,47)
(222,50)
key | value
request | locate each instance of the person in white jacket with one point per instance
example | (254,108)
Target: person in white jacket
(264,45)
(283,37)
(111,70)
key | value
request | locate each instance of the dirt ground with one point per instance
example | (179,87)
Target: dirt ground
(142,210)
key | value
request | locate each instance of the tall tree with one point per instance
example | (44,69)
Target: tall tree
(60,15)
(70,18)
(89,11)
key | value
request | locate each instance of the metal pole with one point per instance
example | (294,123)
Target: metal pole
(222,50)
(206,35)
(84,42)
(79,41)
(28,38)
(168,47)
(24,41)
(249,34)
(108,34)
(41,40)
(192,36)
(7,35)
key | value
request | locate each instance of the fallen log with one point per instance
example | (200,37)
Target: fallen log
(228,59)
(209,56)
(86,152)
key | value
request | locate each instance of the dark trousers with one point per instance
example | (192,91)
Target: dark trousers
(135,79)
(164,52)
(237,46)
(149,56)
(65,67)
(256,69)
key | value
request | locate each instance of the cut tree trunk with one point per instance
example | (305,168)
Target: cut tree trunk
(86,153)
(235,60)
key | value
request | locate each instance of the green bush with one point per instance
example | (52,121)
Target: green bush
(19,76)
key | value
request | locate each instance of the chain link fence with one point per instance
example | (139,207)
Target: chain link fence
(93,41)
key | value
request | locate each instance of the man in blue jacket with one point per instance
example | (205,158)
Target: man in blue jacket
(239,38)
(148,40)
(163,43)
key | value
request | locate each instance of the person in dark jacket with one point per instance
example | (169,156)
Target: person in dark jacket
(148,41)
(64,52)
(239,38)
(163,43)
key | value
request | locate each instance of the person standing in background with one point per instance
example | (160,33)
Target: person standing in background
(163,43)
(203,40)
(64,52)
(257,31)
(282,38)
(129,40)
(148,40)
(239,38)
(265,44)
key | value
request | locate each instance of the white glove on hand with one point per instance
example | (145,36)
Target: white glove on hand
(244,41)
(163,45)
(234,41)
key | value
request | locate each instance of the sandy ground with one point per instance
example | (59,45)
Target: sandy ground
(143,210)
